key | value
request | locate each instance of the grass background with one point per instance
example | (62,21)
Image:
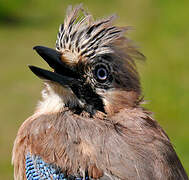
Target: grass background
(161,30)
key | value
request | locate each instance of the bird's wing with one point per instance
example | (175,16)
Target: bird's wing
(37,169)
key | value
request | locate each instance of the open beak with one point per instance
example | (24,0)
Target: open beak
(63,74)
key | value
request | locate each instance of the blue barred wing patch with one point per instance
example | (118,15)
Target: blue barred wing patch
(37,169)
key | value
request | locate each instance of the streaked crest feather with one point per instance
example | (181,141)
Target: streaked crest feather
(84,37)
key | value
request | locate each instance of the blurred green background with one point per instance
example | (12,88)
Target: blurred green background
(161,30)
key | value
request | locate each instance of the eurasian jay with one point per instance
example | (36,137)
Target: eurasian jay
(90,123)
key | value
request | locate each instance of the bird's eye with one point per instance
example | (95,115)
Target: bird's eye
(102,73)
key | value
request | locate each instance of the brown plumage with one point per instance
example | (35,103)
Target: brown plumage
(90,118)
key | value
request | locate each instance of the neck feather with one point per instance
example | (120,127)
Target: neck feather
(55,98)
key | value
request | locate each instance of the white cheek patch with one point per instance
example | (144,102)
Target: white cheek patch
(54,98)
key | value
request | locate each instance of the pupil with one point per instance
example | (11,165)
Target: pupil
(102,73)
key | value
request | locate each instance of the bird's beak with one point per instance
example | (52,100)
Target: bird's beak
(63,74)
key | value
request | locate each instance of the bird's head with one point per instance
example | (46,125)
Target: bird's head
(94,68)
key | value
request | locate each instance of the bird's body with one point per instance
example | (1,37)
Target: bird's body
(90,125)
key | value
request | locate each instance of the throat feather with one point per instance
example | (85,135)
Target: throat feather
(55,98)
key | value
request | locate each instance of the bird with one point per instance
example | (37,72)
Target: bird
(90,122)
